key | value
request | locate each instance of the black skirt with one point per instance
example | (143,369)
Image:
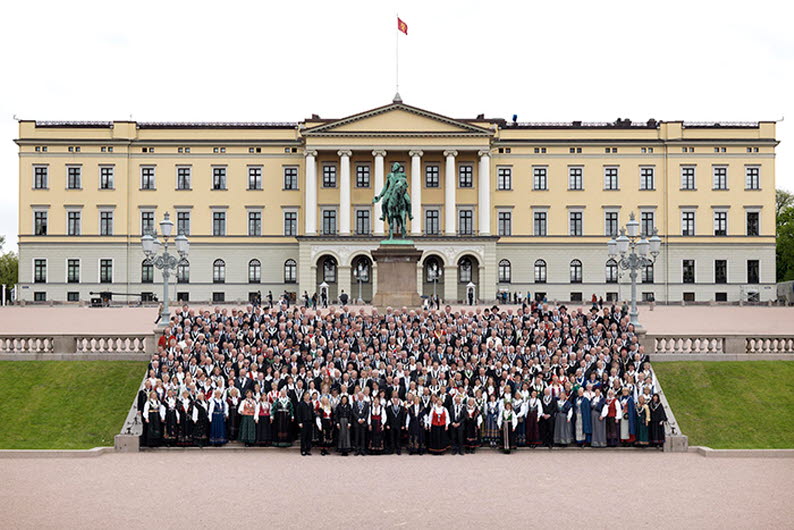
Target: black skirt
(263,431)
(438,440)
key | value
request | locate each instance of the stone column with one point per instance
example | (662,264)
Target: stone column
(449,194)
(450,293)
(311,193)
(484,193)
(344,192)
(379,156)
(416,192)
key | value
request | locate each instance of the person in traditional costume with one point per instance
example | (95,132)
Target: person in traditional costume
(643,420)
(546,422)
(532,416)
(154,416)
(326,417)
(201,423)
(377,421)
(247,411)
(507,423)
(563,414)
(344,418)
(263,421)
(171,425)
(219,411)
(583,428)
(628,429)
(597,423)
(415,424)
(282,414)
(656,425)
(518,408)
(184,435)
(612,415)
(233,404)
(143,397)
(491,434)
(305,417)
(439,423)
(471,426)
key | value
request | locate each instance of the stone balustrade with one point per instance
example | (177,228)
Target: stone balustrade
(718,347)
(84,346)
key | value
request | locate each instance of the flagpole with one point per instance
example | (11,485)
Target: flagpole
(397,56)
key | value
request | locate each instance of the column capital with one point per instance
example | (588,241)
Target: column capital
(345,152)
(415,152)
(484,153)
(379,152)
(450,153)
(310,152)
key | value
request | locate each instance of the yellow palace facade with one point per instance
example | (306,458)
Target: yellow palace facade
(505,206)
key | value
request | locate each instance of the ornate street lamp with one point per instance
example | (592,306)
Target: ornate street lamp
(361,277)
(433,275)
(633,250)
(165,261)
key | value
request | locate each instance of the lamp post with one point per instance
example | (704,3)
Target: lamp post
(632,249)
(434,274)
(164,260)
(360,273)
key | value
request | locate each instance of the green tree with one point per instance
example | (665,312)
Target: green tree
(784,208)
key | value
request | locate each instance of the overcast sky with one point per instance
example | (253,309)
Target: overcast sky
(283,61)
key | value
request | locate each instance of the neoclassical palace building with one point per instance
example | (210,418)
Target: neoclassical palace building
(503,205)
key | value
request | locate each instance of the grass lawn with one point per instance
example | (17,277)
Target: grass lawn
(65,404)
(732,405)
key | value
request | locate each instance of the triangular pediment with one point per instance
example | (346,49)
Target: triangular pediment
(397,119)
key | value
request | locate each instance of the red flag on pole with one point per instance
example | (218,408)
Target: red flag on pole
(402,26)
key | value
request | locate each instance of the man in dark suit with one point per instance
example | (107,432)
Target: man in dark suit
(305,417)
(395,423)
(243,382)
(457,414)
(360,424)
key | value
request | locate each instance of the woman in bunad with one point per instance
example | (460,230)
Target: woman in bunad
(628,429)
(171,427)
(471,426)
(491,413)
(507,422)
(154,417)
(582,418)
(520,430)
(179,376)
(532,414)
(325,416)
(612,415)
(247,410)
(563,414)
(597,422)
(262,419)
(184,435)
(491,388)
(218,412)
(628,382)
(439,423)
(283,414)
(656,425)
(538,385)
(642,421)
(200,417)
(233,401)
(159,389)
(272,396)
(317,430)
(556,387)
(143,397)
(377,418)
(415,415)
(343,415)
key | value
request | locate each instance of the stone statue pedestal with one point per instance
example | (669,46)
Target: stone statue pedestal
(397,261)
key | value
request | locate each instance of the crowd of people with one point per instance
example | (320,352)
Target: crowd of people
(421,381)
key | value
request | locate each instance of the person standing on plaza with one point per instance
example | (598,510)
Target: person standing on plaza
(305,417)
(247,411)
(326,417)
(415,424)
(457,417)
(344,419)
(282,413)
(439,424)
(219,411)
(656,425)
(154,416)
(395,424)
(263,421)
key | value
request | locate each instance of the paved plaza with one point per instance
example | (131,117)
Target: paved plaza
(280,489)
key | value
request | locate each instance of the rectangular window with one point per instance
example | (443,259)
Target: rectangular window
(183,296)
(41,177)
(362,222)
(540,219)
(610,178)
(720,223)
(540,179)
(106,223)
(73,223)
(329,176)
(721,297)
(254,177)
(647,223)
(74,176)
(611,224)
(575,219)
(647,178)
(218,223)
(183,273)
(329,222)
(106,271)
(432,179)
(291,223)
(720,271)
(73,296)
(254,223)
(720,177)
(362,176)
(183,223)
(183,175)
(147,273)
(504,178)
(106,177)
(465,222)
(753,271)
(505,220)
(466,176)
(687,223)
(147,178)
(432,224)
(40,223)
(40,271)
(147,223)
(752,176)
(575,178)
(219,297)
(647,274)
(688,271)
(219,178)
(40,296)
(291,178)
(687,177)
(753,223)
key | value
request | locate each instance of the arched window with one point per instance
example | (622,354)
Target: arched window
(505,272)
(540,271)
(183,272)
(329,270)
(361,267)
(464,270)
(147,272)
(576,271)
(612,271)
(254,271)
(290,271)
(218,271)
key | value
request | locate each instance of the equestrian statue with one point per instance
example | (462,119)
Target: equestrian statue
(395,202)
